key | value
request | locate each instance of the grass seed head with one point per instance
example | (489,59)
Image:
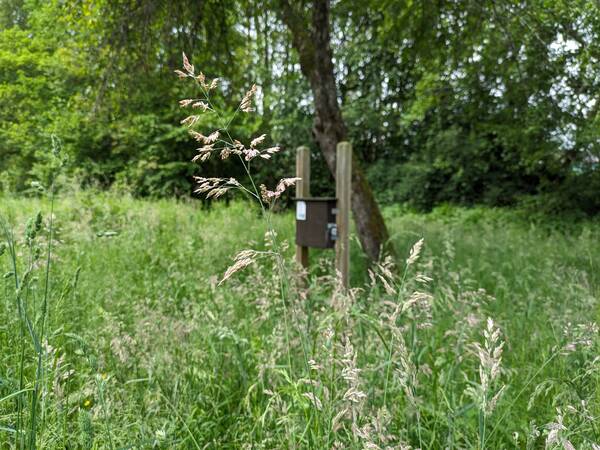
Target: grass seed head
(187,66)
(415,251)
(246,103)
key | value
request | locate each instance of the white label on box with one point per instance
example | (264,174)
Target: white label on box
(300,210)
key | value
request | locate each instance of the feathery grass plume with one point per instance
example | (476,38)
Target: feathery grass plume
(421,303)
(403,313)
(556,433)
(483,392)
(406,371)
(270,196)
(415,251)
(490,360)
(246,103)
(202,105)
(215,187)
(210,139)
(181,74)
(242,259)
(257,140)
(580,336)
(384,272)
(187,66)
(220,141)
(353,397)
(315,401)
(375,434)
(350,373)
(190,121)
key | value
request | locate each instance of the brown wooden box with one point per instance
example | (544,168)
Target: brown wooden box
(315,222)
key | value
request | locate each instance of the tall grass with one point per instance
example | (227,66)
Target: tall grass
(30,301)
(145,349)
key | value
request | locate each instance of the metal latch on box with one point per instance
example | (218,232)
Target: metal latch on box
(332,230)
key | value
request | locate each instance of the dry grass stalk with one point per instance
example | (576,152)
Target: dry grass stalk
(490,360)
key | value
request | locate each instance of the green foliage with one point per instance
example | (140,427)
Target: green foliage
(36,85)
(444,102)
(473,104)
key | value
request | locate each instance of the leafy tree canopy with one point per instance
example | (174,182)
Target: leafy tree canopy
(467,102)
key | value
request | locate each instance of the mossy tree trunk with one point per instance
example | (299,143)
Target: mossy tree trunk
(311,39)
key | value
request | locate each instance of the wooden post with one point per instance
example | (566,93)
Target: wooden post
(343,188)
(302,191)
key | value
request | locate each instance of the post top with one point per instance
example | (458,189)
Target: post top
(344,146)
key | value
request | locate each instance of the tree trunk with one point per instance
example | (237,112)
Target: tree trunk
(312,42)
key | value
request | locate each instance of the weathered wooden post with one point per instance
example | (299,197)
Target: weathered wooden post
(343,187)
(302,191)
(325,222)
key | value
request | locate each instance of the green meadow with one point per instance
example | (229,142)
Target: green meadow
(484,339)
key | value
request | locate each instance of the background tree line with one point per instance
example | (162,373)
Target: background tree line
(467,102)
